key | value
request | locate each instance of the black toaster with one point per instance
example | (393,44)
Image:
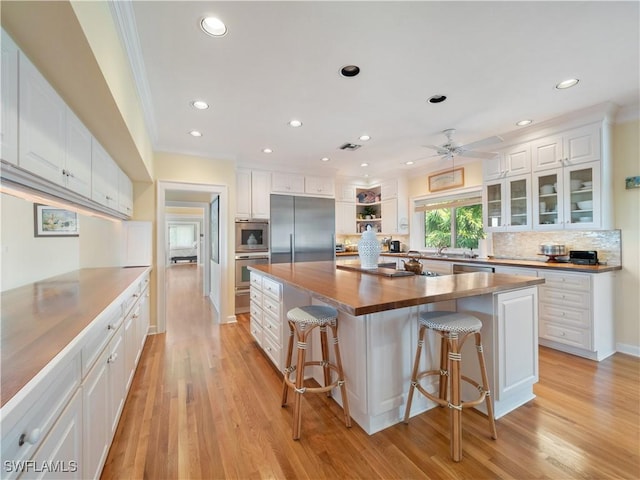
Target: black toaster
(583,257)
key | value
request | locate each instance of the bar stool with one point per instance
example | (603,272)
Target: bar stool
(454,329)
(302,321)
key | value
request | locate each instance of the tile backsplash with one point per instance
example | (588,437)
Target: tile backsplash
(526,245)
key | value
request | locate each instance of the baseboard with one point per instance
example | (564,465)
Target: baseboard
(231,319)
(628,349)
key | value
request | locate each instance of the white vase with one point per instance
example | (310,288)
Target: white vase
(368,250)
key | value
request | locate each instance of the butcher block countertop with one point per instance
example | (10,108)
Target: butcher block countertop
(38,320)
(361,293)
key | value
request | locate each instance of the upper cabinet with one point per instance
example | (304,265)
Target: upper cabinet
(252,194)
(77,166)
(319,186)
(125,194)
(104,177)
(507,204)
(287,183)
(9,104)
(515,160)
(572,147)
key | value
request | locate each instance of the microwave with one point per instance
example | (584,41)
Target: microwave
(252,236)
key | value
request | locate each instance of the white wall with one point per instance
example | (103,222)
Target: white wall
(101,243)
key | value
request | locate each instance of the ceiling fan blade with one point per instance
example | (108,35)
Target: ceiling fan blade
(479,143)
(436,147)
(470,154)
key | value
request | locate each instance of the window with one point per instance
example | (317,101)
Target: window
(182,235)
(454,221)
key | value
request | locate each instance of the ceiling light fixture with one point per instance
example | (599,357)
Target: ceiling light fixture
(364,164)
(213,26)
(325,159)
(524,123)
(267,150)
(195,133)
(349,70)
(200,105)
(410,162)
(295,123)
(437,99)
(567,83)
(365,138)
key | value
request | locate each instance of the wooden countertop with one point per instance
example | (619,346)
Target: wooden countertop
(37,321)
(361,293)
(570,267)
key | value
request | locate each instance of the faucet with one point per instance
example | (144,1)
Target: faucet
(440,250)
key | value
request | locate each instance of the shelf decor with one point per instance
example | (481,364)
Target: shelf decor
(446,179)
(54,222)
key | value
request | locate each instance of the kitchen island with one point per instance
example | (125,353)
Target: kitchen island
(378,324)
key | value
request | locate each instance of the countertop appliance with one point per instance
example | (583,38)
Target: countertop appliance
(394,246)
(302,229)
(583,257)
(252,236)
(339,247)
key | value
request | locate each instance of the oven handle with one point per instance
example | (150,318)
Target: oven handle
(252,257)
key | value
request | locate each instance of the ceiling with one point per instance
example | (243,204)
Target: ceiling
(496,62)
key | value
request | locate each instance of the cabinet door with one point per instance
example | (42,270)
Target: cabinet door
(518,159)
(117,381)
(547,153)
(287,183)
(319,186)
(518,205)
(125,194)
(389,215)
(582,196)
(143,321)
(77,168)
(345,193)
(389,189)
(63,445)
(42,125)
(494,206)
(95,405)
(548,200)
(243,193)
(260,194)
(582,145)
(9,103)
(104,177)
(493,168)
(131,345)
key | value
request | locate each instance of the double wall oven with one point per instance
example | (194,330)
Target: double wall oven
(252,248)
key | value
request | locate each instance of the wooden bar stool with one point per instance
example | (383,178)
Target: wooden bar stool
(454,329)
(302,321)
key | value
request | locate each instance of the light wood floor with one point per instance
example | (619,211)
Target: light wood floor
(205,403)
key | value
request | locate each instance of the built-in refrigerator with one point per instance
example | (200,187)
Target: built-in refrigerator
(302,229)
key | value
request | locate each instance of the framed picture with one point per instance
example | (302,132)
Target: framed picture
(632,182)
(54,222)
(451,178)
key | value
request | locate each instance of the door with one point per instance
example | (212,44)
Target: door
(281,228)
(314,229)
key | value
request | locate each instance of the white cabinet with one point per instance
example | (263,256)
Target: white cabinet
(77,169)
(389,212)
(125,194)
(395,206)
(572,147)
(287,183)
(507,204)
(42,125)
(266,317)
(345,218)
(324,186)
(253,188)
(515,160)
(389,189)
(9,103)
(104,177)
(345,192)
(576,313)
(567,198)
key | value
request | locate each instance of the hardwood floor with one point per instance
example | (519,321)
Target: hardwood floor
(205,403)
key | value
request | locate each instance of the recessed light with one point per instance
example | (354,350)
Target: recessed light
(267,150)
(200,105)
(195,133)
(410,162)
(567,83)
(364,164)
(524,123)
(349,70)
(295,123)
(366,175)
(325,159)
(365,138)
(213,26)
(437,99)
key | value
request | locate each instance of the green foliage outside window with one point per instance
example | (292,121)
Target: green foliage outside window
(440,231)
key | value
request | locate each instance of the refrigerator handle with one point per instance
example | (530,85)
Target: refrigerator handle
(292,248)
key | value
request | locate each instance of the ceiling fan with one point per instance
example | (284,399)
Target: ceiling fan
(451,148)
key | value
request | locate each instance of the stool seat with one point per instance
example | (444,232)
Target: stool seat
(451,322)
(315,314)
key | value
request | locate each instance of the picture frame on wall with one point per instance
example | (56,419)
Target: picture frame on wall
(54,222)
(446,179)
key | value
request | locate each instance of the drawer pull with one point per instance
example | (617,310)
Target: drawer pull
(112,358)
(32,437)
(111,327)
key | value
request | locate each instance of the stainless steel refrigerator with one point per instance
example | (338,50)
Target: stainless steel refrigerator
(302,229)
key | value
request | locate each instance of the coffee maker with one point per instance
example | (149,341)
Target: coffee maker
(394,246)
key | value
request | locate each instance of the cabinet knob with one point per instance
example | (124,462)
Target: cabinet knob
(112,358)
(32,437)
(562,334)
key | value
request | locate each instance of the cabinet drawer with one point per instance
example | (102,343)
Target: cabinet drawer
(565,298)
(255,295)
(256,330)
(567,280)
(271,326)
(270,305)
(255,280)
(271,288)
(256,313)
(101,331)
(566,316)
(272,350)
(131,297)
(40,409)
(576,337)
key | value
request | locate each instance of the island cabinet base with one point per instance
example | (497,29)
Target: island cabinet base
(378,352)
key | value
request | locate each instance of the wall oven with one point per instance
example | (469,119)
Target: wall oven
(243,278)
(252,236)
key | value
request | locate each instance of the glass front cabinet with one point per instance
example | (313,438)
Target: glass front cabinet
(508,206)
(564,198)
